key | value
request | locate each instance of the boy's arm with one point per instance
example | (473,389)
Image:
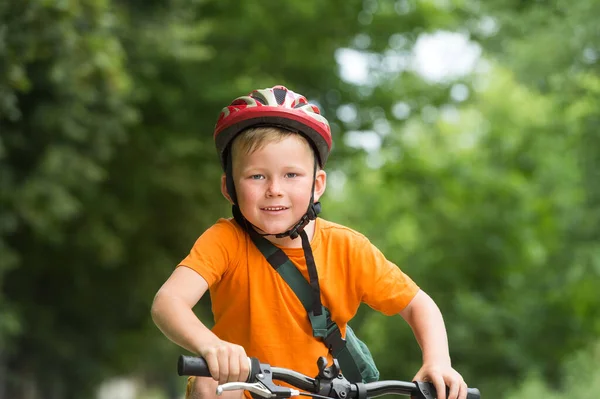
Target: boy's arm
(172,310)
(172,313)
(425,319)
(427,323)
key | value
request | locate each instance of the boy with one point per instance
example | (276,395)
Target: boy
(273,145)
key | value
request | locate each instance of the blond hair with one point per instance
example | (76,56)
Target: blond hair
(255,138)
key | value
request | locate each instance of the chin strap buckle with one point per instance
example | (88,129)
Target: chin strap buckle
(311,214)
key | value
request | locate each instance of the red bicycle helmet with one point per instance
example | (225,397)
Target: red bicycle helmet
(275,106)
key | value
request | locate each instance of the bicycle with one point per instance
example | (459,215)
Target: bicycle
(329,383)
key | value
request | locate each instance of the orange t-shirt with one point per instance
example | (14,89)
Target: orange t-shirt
(255,308)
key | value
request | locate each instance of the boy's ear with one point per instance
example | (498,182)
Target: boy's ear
(320,183)
(224,188)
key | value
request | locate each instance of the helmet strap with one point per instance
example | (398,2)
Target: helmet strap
(229,177)
(230,186)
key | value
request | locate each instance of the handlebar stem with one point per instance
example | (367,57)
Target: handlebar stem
(331,380)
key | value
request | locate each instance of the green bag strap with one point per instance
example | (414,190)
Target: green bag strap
(286,269)
(322,325)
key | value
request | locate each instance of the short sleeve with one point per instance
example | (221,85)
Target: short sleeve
(215,251)
(383,285)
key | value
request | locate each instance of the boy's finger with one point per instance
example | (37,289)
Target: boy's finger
(440,387)
(223,368)
(234,369)
(244,367)
(213,365)
(454,390)
(463,390)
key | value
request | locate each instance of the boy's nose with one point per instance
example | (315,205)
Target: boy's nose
(274,188)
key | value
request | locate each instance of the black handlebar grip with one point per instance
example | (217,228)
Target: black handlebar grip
(426,389)
(197,366)
(473,393)
(190,365)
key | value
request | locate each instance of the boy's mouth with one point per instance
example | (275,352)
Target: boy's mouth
(274,208)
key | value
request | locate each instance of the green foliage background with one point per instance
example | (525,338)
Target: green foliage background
(489,200)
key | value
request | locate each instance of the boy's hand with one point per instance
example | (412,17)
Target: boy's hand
(227,362)
(442,377)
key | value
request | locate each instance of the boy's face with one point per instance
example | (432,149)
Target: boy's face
(273,184)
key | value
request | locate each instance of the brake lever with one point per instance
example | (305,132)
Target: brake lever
(256,387)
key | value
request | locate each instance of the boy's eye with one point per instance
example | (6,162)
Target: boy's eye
(291,174)
(257,177)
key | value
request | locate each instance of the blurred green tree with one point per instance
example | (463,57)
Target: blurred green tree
(108,172)
(492,203)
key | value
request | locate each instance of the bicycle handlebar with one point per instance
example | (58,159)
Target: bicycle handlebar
(329,382)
